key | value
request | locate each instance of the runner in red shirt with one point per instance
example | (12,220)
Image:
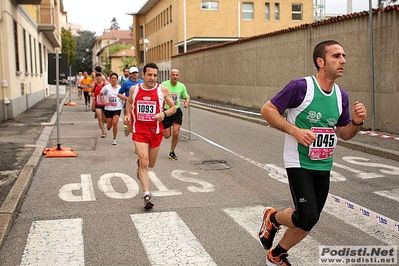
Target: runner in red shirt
(98,103)
(145,114)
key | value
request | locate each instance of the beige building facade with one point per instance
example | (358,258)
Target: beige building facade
(165,28)
(121,59)
(266,63)
(101,53)
(29,31)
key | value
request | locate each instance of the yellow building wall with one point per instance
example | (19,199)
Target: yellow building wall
(32,10)
(164,23)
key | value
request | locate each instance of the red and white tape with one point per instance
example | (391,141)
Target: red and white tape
(368,133)
(376,217)
(225,108)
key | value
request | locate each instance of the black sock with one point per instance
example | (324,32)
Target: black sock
(273,219)
(278,250)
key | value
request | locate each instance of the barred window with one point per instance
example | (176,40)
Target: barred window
(16,46)
(25,51)
(296,11)
(267,11)
(277,11)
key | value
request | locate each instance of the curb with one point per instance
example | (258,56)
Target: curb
(385,153)
(11,205)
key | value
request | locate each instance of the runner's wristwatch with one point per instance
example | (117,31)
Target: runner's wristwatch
(357,125)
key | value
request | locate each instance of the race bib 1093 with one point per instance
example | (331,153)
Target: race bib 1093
(146,110)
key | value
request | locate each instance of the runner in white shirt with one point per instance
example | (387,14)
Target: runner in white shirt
(113,105)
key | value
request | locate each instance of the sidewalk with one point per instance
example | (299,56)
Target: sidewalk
(24,138)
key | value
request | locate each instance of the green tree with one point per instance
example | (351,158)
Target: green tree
(114,24)
(68,44)
(117,47)
(125,60)
(84,46)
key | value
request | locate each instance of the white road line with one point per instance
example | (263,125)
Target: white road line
(250,218)
(360,174)
(362,223)
(85,187)
(54,242)
(394,225)
(346,168)
(306,252)
(392,194)
(168,241)
(162,191)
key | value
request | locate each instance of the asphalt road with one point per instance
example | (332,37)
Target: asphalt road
(88,210)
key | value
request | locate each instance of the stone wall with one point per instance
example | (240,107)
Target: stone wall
(250,71)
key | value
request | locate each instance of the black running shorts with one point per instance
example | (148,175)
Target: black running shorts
(176,118)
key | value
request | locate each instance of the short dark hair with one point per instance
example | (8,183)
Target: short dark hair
(113,74)
(320,51)
(97,68)
(150,65)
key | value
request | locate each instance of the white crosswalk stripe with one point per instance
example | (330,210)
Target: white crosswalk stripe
(250,218)
(54,242)
(167,240)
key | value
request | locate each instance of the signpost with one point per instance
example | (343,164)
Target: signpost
(55,77)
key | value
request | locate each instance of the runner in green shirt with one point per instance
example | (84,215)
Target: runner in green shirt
(318,112)
(177,90)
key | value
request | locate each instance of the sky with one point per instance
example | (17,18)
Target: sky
(100,16)
(339,7)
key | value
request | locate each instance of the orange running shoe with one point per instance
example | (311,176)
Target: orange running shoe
(278,260)
(267,230)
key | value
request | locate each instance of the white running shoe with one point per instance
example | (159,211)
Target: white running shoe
(147,202)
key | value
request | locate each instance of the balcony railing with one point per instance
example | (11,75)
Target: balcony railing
(46,14)
(47,24)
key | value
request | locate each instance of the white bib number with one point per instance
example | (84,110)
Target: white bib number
(175,98)
(146,110)
(99,101)
(113,101)
(324,145)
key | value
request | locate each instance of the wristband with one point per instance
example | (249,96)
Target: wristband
(164,113)
(357,125)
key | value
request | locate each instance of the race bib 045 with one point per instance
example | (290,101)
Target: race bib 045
(324,145)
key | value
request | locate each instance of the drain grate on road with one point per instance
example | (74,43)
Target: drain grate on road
(212,165)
